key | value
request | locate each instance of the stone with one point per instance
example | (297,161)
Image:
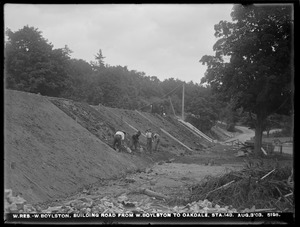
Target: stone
(129,180)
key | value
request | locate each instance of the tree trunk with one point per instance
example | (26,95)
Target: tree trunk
(258,133)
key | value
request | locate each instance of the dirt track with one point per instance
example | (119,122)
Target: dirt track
(173,179)
(246,135)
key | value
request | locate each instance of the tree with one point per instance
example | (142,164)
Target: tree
(81,80)
(252,65)
(31,63)
(99,63)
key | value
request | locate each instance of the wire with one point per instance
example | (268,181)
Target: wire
(161,98)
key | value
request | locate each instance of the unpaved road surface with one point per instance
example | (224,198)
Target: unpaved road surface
(172,179)
(246,135)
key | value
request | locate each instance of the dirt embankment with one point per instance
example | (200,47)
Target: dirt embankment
(48,155)
(58,156)
(54,146)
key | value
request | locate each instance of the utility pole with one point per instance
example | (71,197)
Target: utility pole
(182,111)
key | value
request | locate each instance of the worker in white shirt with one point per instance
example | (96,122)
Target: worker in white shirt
(149,136)
(156,141)
(119,138)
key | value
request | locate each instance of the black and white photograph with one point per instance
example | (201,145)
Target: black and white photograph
(149,113)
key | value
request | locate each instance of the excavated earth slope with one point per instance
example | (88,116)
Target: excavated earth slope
(48,155)
(54,147)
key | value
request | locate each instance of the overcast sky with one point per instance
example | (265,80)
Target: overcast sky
(162,40)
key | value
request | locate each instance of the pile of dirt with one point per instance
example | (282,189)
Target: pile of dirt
(49,155)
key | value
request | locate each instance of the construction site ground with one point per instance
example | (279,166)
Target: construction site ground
(58,152)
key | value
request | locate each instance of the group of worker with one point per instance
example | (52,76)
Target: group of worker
(152,138)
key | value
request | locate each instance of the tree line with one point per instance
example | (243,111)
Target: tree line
(248,80)
(33,65)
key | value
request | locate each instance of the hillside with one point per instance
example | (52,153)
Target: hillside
(47,154)
(58,157)
(104,121)
(53,146)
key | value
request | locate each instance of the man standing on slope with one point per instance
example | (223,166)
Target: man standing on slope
(156,141)
(119,138)
(149,137)
(135,140)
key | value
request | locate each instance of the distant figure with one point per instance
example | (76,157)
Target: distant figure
(156,141)
(149,137)
(162,110)
(119,138)
(135,140)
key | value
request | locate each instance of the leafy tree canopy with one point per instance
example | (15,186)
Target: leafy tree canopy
(32,64)
(253,65)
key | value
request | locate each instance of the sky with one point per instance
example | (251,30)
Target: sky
(162,40)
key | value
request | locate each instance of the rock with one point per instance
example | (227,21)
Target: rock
(29,208)
(209,204)
(195,208)
(222,210)
(128,204)
(176,209)
(86,200)
(137,211)
(108,204)
(129,180)
(152,182)
(96,209)
(38,209)
(139,170)
(18,200)
(52,209)
(128,150)
(8,193)
(122,198)
(116,205)
(13,208)
(240,154)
